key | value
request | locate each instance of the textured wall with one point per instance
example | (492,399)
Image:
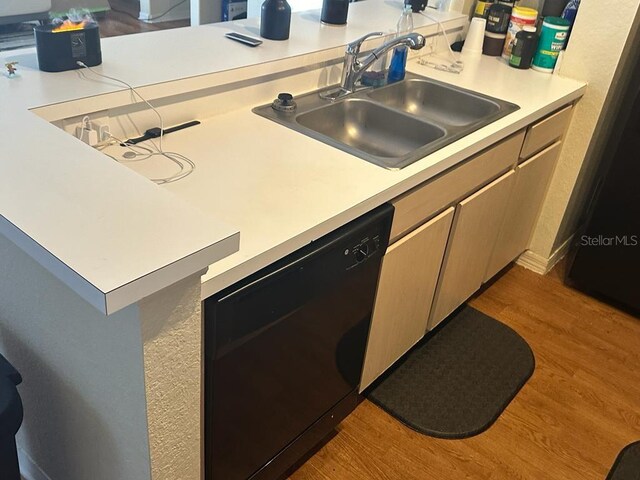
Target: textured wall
(468,6)
(593,55)
(83,389)
(169,9)
(171,330)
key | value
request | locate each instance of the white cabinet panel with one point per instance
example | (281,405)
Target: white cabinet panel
(532,182)
(477,221)
(408,278)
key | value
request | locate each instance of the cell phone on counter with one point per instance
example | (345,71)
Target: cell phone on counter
(247,40)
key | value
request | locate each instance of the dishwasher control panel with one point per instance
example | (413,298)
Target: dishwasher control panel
(361,251)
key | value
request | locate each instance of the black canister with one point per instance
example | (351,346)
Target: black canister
(493,44)
(524,48)
(553,8)
(275,21)
(334,12)
(59,49)
(498,19)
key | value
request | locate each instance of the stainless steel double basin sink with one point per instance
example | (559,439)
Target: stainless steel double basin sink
(394,125)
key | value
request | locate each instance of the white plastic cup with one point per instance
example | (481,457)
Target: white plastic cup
(475,37)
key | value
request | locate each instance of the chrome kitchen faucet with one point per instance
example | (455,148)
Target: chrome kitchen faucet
(353,67)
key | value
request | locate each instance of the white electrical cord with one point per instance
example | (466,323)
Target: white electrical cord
(456,65)
(185,165)
(136,156)
(84,129)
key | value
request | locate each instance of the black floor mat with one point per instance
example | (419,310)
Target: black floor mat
(627,465)
(457,382)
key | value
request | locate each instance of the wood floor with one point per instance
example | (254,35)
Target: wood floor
(579,409)
(122,20)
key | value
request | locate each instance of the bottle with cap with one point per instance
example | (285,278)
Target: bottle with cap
(524,48)
(571,10)
(520,18)
(569,13)
(275,20)
(334,12)
(399,59)
(497,26)
(498,17)
(536,5)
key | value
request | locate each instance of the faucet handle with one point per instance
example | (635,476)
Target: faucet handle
(353,48)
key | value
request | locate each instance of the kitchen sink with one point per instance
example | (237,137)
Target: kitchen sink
(370,128)
(440,103)
(394,125)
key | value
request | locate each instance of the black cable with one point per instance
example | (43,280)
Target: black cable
(128,14)
(125,13)
(175,6)
(156,132)
(154,18)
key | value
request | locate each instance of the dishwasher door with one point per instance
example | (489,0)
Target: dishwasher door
(283,347)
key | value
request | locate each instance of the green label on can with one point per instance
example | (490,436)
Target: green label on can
(515,61)
(552,41)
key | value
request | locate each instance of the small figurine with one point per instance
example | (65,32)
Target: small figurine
(11,69)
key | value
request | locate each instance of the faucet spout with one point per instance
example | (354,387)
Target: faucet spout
(414,41)
(353,67)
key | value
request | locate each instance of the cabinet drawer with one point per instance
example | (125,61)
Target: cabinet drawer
(546,132)
(416,206)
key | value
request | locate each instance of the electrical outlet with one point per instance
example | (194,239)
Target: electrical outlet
(87,134)
(104,132)
(99,118)
(92,133)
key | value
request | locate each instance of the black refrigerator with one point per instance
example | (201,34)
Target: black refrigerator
(606,259)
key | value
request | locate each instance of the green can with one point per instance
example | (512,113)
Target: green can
(553,38)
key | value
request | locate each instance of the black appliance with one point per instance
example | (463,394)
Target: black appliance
(606,261)
(11,414)
(284,350)
(62,50)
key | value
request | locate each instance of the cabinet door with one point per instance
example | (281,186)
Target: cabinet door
(475,229)
(407,283)
(532,182)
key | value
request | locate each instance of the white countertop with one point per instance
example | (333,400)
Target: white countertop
(115,237)
(283,189)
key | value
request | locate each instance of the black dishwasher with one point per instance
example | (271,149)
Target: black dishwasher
(284,350)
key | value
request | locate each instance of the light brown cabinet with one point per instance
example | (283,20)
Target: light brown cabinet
(532,182)
(407,283)
(546,131)
(475,230)
(419,204)
(490,206)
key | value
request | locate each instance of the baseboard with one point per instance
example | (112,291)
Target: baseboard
(28,468)
(542,265)
(181,12)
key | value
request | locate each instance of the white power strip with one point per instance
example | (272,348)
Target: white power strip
(92,133)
